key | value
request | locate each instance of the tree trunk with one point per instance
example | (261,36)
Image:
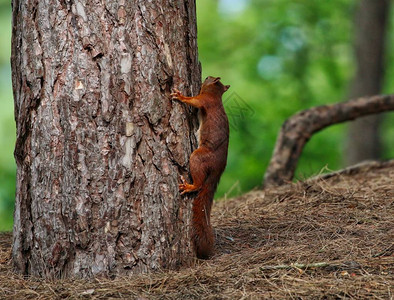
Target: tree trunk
(99,143)
(364,140)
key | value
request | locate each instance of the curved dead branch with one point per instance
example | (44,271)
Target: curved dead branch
(299,128)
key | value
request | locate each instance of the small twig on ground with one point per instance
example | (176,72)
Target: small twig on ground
(386,252)
(299,266)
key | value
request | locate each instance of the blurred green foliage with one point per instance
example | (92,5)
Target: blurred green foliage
(7,124)
(278,56)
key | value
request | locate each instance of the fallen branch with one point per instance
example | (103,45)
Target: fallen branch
(298,129)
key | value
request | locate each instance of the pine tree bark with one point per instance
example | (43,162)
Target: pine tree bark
(99,144)
(364,140)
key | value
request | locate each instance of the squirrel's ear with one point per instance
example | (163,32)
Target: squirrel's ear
(226,87)
(216,79)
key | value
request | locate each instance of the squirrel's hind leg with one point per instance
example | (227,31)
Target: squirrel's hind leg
(198,172)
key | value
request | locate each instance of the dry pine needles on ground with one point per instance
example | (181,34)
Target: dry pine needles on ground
(327,238)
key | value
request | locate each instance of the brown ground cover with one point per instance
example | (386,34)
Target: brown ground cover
(330,237)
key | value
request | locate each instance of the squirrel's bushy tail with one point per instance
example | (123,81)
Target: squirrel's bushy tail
(203,237)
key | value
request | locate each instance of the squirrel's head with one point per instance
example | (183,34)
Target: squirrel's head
(213,85)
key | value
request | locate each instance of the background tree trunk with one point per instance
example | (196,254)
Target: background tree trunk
(99,143)
(364,140)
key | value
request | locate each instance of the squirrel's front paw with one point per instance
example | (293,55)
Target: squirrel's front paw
(176,94)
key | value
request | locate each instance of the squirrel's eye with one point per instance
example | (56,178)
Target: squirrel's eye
(206,78)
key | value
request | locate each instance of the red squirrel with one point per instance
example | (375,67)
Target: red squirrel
(208,161)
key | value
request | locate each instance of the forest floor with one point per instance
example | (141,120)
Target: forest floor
(330,237)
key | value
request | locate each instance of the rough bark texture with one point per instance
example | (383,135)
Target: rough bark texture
(99,143)
(299,128)
(364,140)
